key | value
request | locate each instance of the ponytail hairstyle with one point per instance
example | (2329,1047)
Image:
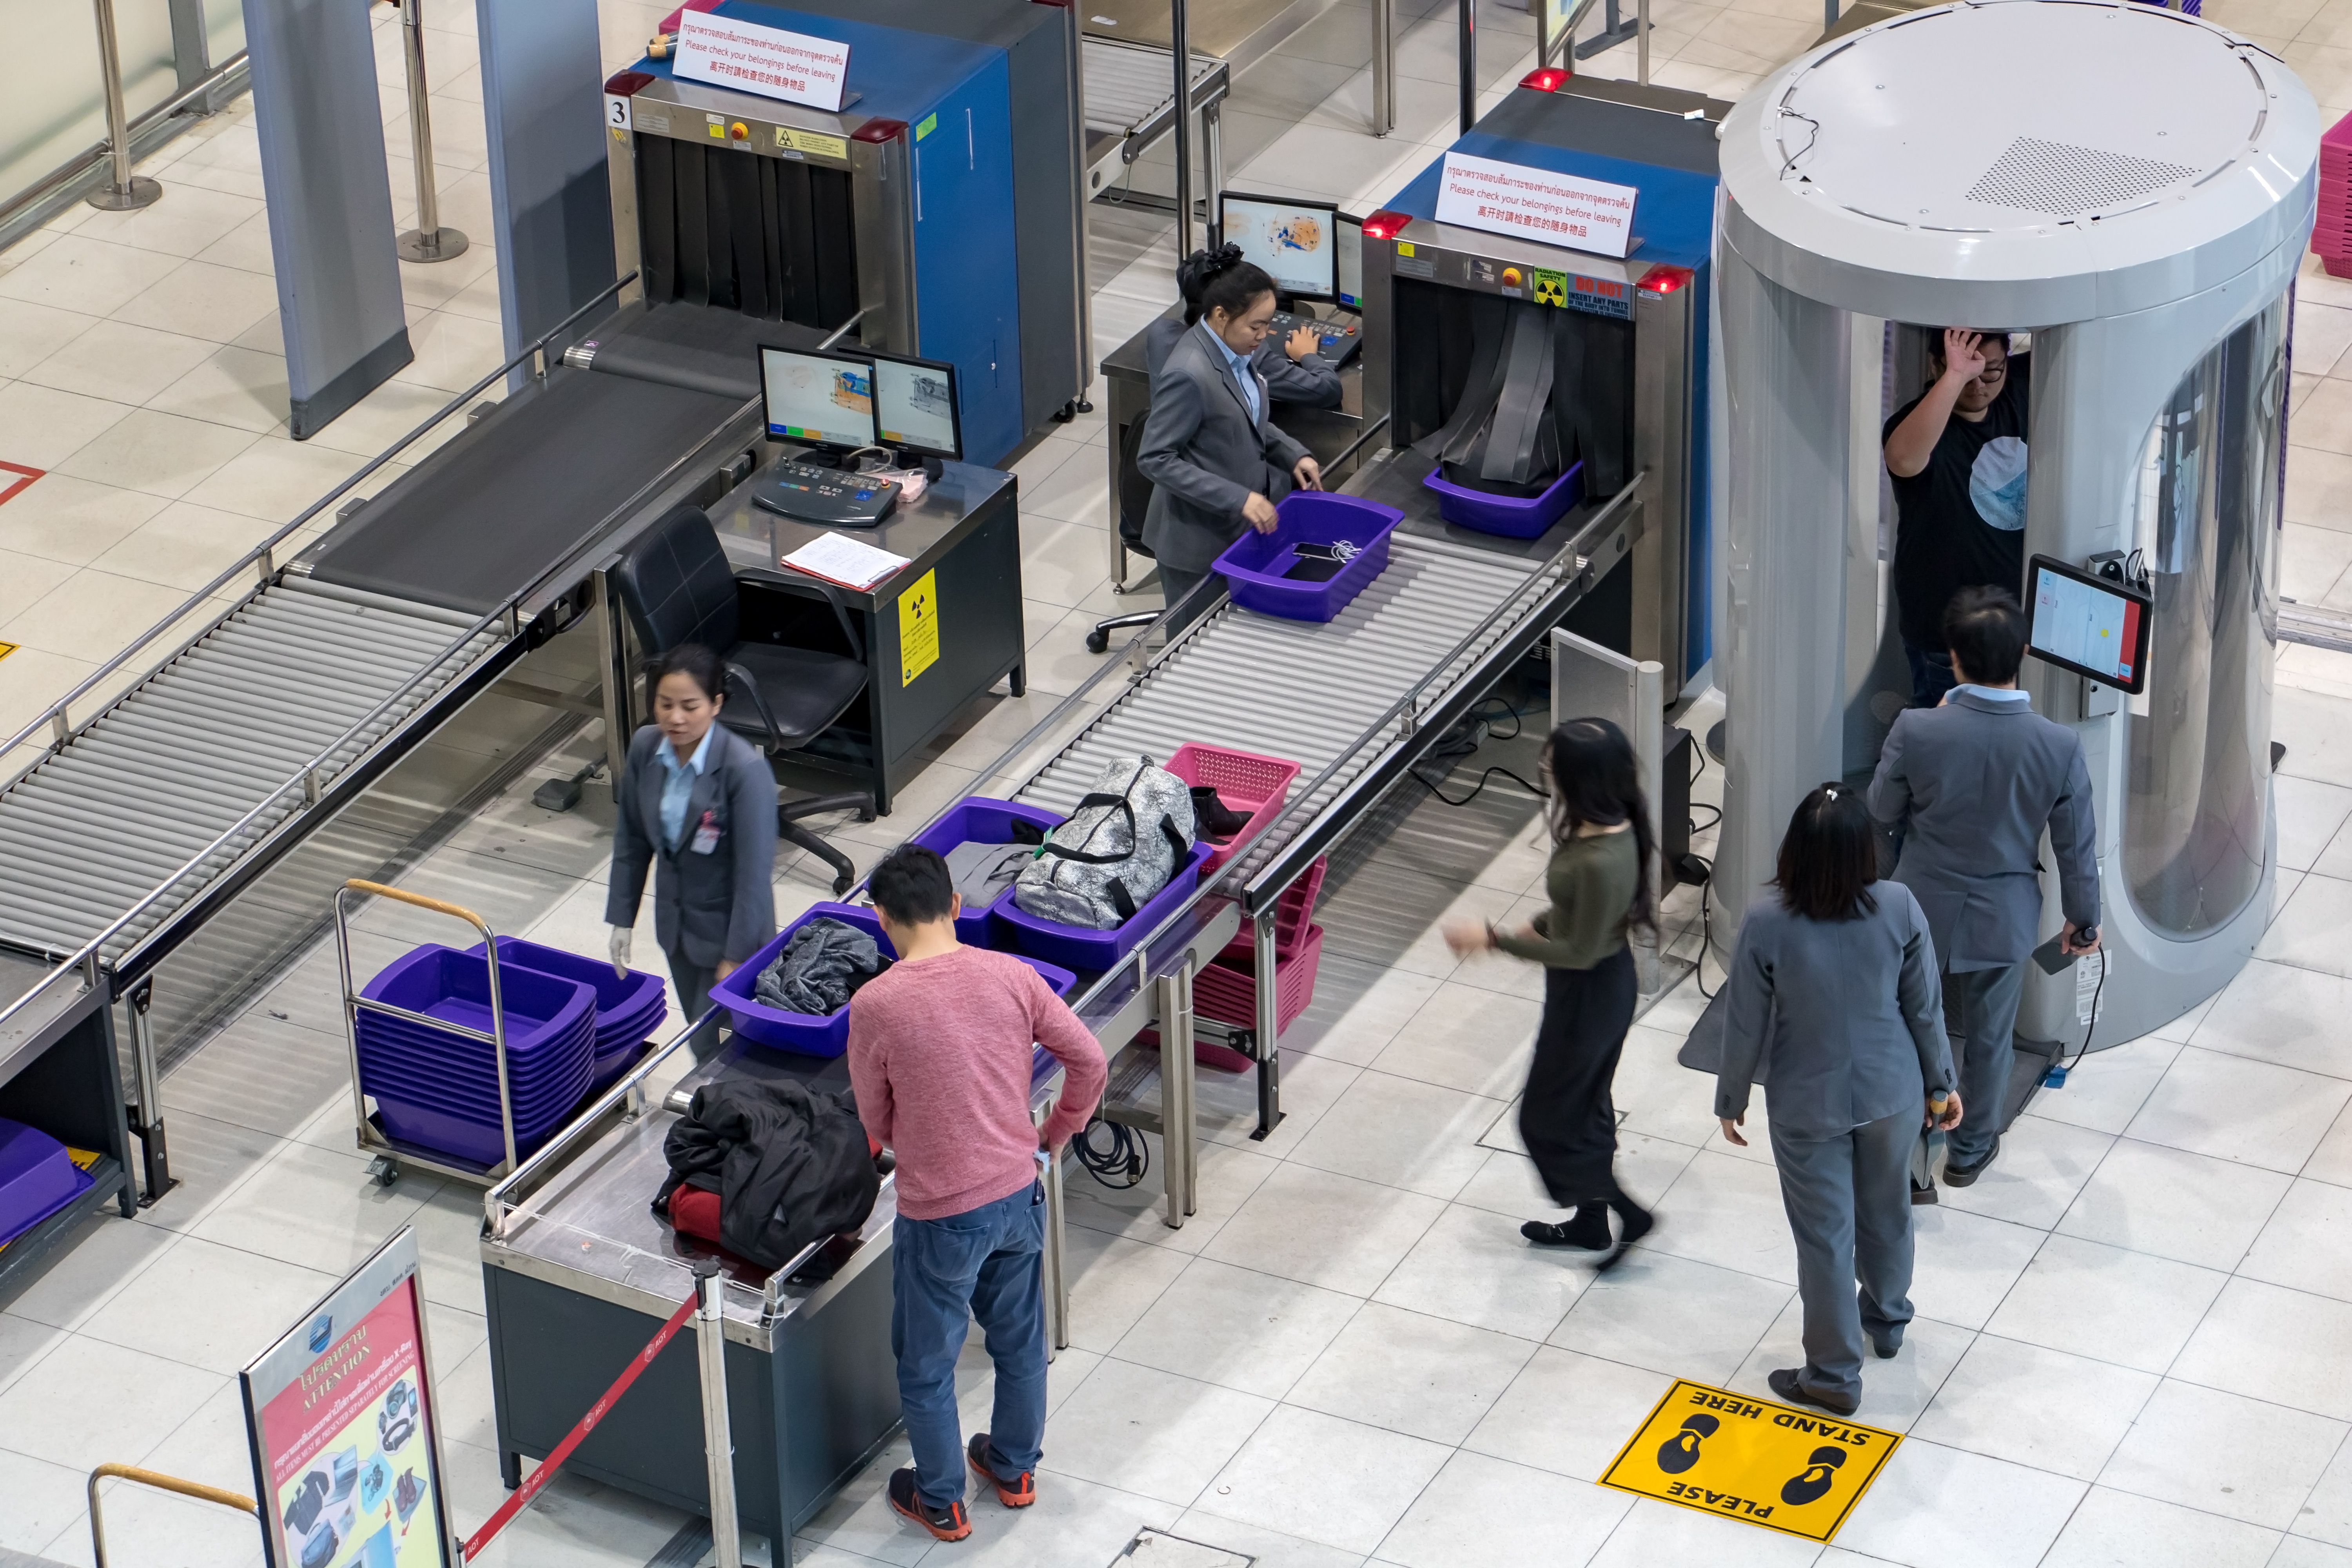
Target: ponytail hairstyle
(1595,781)
(1220,280)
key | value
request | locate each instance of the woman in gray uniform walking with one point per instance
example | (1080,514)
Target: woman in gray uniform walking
(1835,975)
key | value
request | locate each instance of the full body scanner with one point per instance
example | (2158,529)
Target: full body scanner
(2135,187)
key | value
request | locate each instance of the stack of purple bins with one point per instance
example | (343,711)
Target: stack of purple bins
(630,1008)
(439,1089)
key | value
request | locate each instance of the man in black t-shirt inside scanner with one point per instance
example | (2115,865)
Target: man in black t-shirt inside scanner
(1958,456)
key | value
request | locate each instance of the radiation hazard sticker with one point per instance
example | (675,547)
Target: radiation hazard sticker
(918,627)
(1550,288)
(1798,1471)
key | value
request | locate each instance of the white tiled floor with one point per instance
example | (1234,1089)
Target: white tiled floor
(2137,1340)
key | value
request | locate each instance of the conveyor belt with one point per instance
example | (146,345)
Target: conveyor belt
(175,763)
(1304,691)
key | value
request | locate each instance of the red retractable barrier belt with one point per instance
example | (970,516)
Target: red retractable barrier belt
(572,1439)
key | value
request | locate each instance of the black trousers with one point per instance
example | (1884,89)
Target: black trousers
(1565,1117)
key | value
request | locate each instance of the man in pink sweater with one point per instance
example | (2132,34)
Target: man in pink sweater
(940,1047)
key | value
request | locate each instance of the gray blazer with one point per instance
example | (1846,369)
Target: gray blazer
(1851,1012)
(1311,382)
(1970,785)
(1203,455)
(711,907)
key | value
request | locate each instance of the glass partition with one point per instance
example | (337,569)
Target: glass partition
(2207,533)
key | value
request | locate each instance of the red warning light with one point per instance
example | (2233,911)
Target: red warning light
(1386,224)
(1663,279)
(1550,78)
(880,130)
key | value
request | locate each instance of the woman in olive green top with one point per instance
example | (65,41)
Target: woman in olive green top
(1599,882)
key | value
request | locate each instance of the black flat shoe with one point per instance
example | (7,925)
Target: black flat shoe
(1634,1223)
(1786,1386)
(1885,1349)
(1924,1195)
(1958,1176)
(1587,1229)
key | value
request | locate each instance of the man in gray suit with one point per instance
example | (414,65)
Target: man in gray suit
(1215,460)
(1971,785)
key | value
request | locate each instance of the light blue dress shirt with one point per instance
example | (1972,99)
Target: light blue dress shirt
(1994,693)
(1240,366)
(678,783)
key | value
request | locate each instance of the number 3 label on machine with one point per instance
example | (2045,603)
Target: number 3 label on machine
(616,112)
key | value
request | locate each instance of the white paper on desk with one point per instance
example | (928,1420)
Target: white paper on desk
(837,558)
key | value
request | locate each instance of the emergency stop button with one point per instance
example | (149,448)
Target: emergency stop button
(739,131)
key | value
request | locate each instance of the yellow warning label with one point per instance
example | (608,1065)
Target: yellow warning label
(814,142)
(1794,1470)
(930,123)
(6,649)
(1404,246)
(919,628)
(1550,288)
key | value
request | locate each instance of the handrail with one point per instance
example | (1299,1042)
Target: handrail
(161,1482)
(80,164)
(53,715)
(87,955)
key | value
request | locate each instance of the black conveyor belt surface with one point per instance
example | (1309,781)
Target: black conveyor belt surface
(700,350)
(489,513)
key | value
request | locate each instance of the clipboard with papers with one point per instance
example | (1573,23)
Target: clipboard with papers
(845,562)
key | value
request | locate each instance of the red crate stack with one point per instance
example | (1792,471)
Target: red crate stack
(2331,237)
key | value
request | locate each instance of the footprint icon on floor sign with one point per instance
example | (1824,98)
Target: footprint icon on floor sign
(1820,1474)
(1680,1452)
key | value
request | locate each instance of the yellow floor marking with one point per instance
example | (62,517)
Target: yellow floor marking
(1798,1471)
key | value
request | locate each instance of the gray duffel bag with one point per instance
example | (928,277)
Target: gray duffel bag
(1127,837)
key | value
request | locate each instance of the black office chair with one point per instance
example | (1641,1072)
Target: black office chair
(1134,496)
(674,585)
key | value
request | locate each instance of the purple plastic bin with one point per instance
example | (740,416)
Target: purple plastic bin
(481,1142)
(37,1178)
(402,1074)
(1254,564)
(550,1026)
(808,1033)
(978,819)
(619,1000)
(1076,947)
(442,983)
(1512,517)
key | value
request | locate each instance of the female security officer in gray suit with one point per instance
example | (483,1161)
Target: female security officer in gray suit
(698,801)
(1833,986)
(1213,456)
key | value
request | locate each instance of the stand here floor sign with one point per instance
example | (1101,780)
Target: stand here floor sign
(1798,1471)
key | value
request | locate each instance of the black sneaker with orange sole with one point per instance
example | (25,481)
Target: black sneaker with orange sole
(1018,1492)
(949,1523)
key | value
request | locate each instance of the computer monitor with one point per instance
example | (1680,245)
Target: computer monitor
(1350,291)
(818,398)
(2093,626)
(1298,242)
(914,406)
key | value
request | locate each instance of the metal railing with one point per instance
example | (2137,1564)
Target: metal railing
(305,778)
(161,1482)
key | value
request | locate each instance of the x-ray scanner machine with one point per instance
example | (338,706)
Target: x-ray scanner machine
(2134,186)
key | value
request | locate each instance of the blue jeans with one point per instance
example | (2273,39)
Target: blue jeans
(986,1263)
(1931,674)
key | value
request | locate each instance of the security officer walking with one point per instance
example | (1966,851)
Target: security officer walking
(1970,785)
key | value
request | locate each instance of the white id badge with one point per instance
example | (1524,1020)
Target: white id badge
(706,834)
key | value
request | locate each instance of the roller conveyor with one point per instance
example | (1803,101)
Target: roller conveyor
(1131,102)
(303,670)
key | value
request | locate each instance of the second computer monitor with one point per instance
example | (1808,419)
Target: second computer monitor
(1350,291)
(818,399)
(1297,242)
(914,406)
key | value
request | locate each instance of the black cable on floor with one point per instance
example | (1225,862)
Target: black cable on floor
(1129,1155)
(1469,733)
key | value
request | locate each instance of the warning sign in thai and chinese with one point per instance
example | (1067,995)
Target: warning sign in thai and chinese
(1536,203)
(918,627)
(771,61)
(1799,1471)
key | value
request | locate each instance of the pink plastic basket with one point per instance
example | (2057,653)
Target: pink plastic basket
(1253,785)
(1292,914)
(1226,992)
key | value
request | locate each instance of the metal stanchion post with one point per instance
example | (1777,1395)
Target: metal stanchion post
(428,241)
(1828,15)
(1178,1146)
(126,190)
(155,1155)
(1179,42)
(1212,154)
(1641,40)
(1267,1022)
(1384,67)
(717,1442)
(1467,45)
